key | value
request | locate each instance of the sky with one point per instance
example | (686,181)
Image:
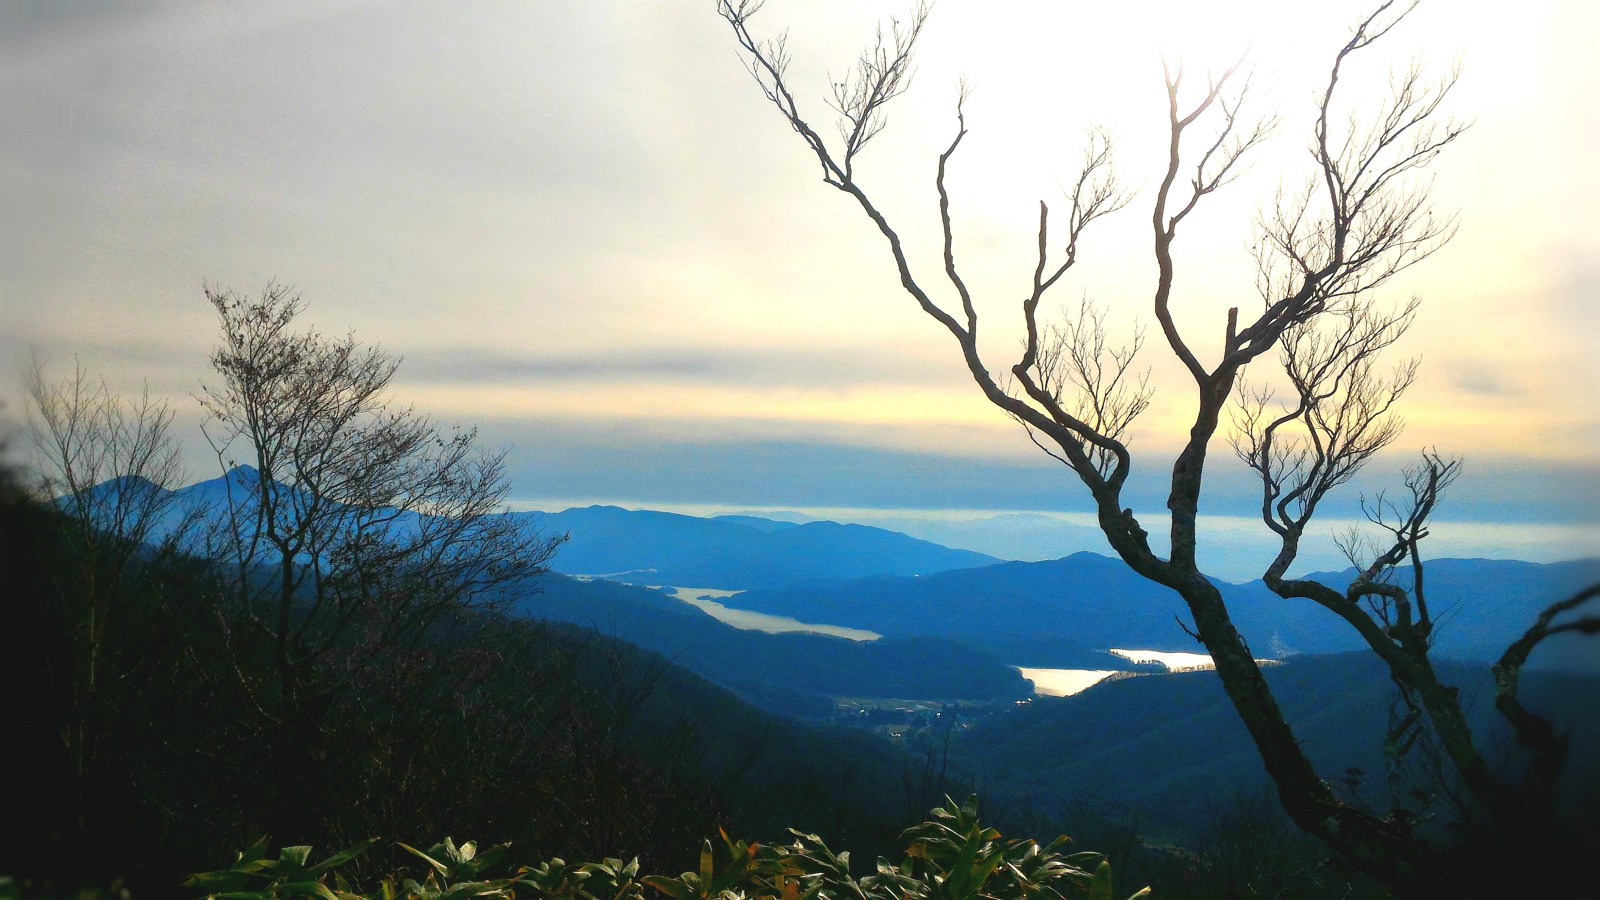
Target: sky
(585,232)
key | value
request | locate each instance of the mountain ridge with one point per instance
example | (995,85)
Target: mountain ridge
(737,552)
(1041,614)
(1096,601)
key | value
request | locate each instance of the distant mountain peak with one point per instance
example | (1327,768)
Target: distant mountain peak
(751,520)
(739,552)
(133,481)
(116,489)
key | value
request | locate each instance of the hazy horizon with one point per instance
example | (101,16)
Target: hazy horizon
(1233,548)
(585,232)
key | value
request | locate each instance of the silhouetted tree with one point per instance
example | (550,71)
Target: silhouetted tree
(350,527)
(1361,218)
(107,464)
(325,659)
(364,513)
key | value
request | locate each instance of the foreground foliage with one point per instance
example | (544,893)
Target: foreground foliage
(182,752)
(951,856)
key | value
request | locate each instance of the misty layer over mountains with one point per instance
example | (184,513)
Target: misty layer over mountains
(953,627)
(735,552)
(1061,613)
(899,586)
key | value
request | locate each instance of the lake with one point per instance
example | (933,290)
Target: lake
(1063,682)
(1046,682)
(1066,682)
(706,600)
(1172,660)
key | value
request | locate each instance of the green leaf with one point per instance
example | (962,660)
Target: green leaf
(257,850)
(340,858)
(672,887)
(476,863)
(477,889)
(439,866)
(226,879)
(962,878)
(292,861)
(1100,887)
(304,889)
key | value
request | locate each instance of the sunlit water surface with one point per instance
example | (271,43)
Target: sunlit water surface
(1046,682)
(748,620)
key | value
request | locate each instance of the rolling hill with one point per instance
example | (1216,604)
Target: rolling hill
(649,547)
(1026,612)
(735,552)
(794,673)
(1171,746)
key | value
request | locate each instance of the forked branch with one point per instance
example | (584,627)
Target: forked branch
(1534,731)
(1077,430)
(1361,217)
(1076,370)
(1375,220)
(1341,411)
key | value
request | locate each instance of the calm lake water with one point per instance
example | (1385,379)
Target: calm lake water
(1063,682)
(706,599)
(1172,660)
(1066,682)
(1046,682)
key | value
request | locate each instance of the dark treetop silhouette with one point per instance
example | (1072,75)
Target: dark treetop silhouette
(1320,253)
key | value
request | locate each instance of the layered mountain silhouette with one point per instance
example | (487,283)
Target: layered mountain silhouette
(1172,746)
(650,547)
(735,552)
(1025,610)
(1061,613)
(954,624)
(794,673)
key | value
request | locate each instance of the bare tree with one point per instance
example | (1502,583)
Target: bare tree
(1361,218)
(343,510)
(108,465)
(109,462)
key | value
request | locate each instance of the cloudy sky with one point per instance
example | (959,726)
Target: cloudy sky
(583,230)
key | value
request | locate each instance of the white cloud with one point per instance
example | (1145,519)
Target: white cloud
(600,183)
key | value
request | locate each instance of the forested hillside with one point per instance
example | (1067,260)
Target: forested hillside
(1171,749)
(735,552)
(1044,613)
(793,673)
(562,740)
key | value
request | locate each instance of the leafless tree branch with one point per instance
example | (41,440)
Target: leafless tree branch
(1361,216)
(364,513)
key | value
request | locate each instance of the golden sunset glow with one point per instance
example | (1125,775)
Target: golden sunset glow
(587,211)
